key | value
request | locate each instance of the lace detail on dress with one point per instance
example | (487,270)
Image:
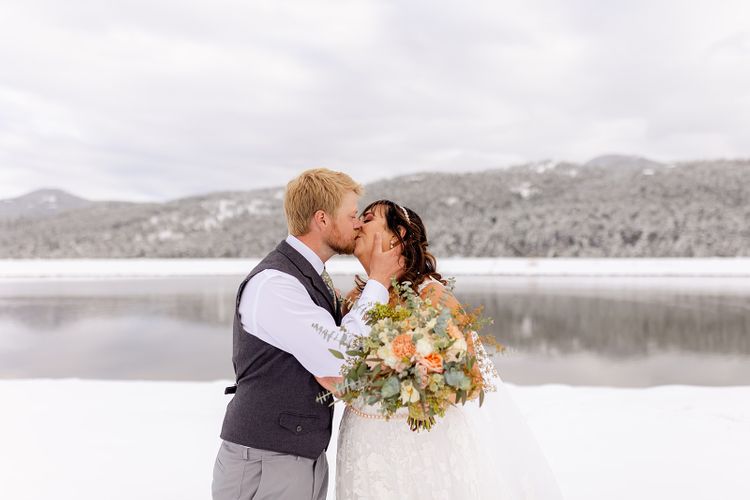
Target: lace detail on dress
(486,366)
(383,459)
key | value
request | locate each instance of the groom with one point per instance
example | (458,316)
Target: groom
(275,434)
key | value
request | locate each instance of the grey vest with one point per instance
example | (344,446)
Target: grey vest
(274,406)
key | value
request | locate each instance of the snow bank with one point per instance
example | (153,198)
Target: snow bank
(81,440)
(86,268)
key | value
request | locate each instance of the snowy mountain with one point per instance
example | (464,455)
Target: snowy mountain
(622,161)
(613,206)
(41,203)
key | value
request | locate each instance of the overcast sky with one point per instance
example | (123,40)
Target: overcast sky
(158,99)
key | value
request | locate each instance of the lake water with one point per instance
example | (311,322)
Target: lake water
(614,332)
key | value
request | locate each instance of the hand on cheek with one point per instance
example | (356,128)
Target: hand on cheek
(389,241)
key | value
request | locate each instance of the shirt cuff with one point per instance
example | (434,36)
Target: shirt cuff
(373,292)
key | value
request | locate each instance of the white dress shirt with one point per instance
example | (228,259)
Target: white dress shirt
(276,308)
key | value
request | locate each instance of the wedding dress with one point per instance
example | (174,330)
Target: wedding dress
(471,453)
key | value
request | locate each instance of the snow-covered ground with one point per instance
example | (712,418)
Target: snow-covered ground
(86,268)
(93,440)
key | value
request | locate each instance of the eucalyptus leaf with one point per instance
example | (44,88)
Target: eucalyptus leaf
(455,378)
(336,353)
(391,387)
(459,395)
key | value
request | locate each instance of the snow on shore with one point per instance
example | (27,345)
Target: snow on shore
(92,440)
(88,268)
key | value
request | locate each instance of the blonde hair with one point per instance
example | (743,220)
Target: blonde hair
(313,190)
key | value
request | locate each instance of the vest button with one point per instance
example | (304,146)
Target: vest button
(299,428)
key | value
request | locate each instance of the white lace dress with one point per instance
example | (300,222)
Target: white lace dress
(471,453)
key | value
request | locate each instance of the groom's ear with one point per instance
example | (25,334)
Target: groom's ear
(320,219)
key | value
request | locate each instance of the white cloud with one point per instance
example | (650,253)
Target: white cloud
(159,99)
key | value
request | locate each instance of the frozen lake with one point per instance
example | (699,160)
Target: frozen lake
(612,331)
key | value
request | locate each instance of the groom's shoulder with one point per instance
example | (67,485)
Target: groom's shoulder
(275,261)
(269,271)
(280,258)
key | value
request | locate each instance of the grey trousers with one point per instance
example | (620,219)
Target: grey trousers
(242,473)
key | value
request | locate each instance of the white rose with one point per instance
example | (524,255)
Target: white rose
(460,345)
(409,393)
(386,354)
(456,350)
(424,346)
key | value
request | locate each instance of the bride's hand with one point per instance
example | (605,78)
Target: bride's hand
(385,265)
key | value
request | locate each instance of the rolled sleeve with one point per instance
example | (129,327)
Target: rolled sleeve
(279,311)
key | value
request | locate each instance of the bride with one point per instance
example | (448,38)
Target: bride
(472,452)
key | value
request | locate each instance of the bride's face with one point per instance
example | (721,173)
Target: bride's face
(373,221)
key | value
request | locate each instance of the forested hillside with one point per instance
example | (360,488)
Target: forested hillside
(609,207)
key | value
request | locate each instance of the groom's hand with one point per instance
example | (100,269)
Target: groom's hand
(329,383)
(384,266)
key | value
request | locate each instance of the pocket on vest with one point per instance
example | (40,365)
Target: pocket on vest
(298,423)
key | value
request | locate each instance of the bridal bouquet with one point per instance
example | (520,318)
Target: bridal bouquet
(418,355)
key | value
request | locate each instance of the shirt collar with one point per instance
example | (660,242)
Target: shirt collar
(307,253)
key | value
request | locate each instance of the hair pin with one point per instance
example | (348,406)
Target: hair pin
(406,214)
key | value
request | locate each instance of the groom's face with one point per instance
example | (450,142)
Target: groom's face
(346,225)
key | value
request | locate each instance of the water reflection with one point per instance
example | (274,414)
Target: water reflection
(180,329)
(618,325)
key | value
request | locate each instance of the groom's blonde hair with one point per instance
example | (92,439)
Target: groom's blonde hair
(313,190)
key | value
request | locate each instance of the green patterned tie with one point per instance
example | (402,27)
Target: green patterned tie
(329,283)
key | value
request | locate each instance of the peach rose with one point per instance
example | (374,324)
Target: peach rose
(403,347)
(433,362)
(453,331)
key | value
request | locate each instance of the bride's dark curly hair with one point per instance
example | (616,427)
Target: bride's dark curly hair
(418,261)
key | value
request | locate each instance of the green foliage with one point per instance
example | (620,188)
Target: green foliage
(383,311)
(336,353)
(457,378)
(391,387)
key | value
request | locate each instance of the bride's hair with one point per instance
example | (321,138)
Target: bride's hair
(419,262)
